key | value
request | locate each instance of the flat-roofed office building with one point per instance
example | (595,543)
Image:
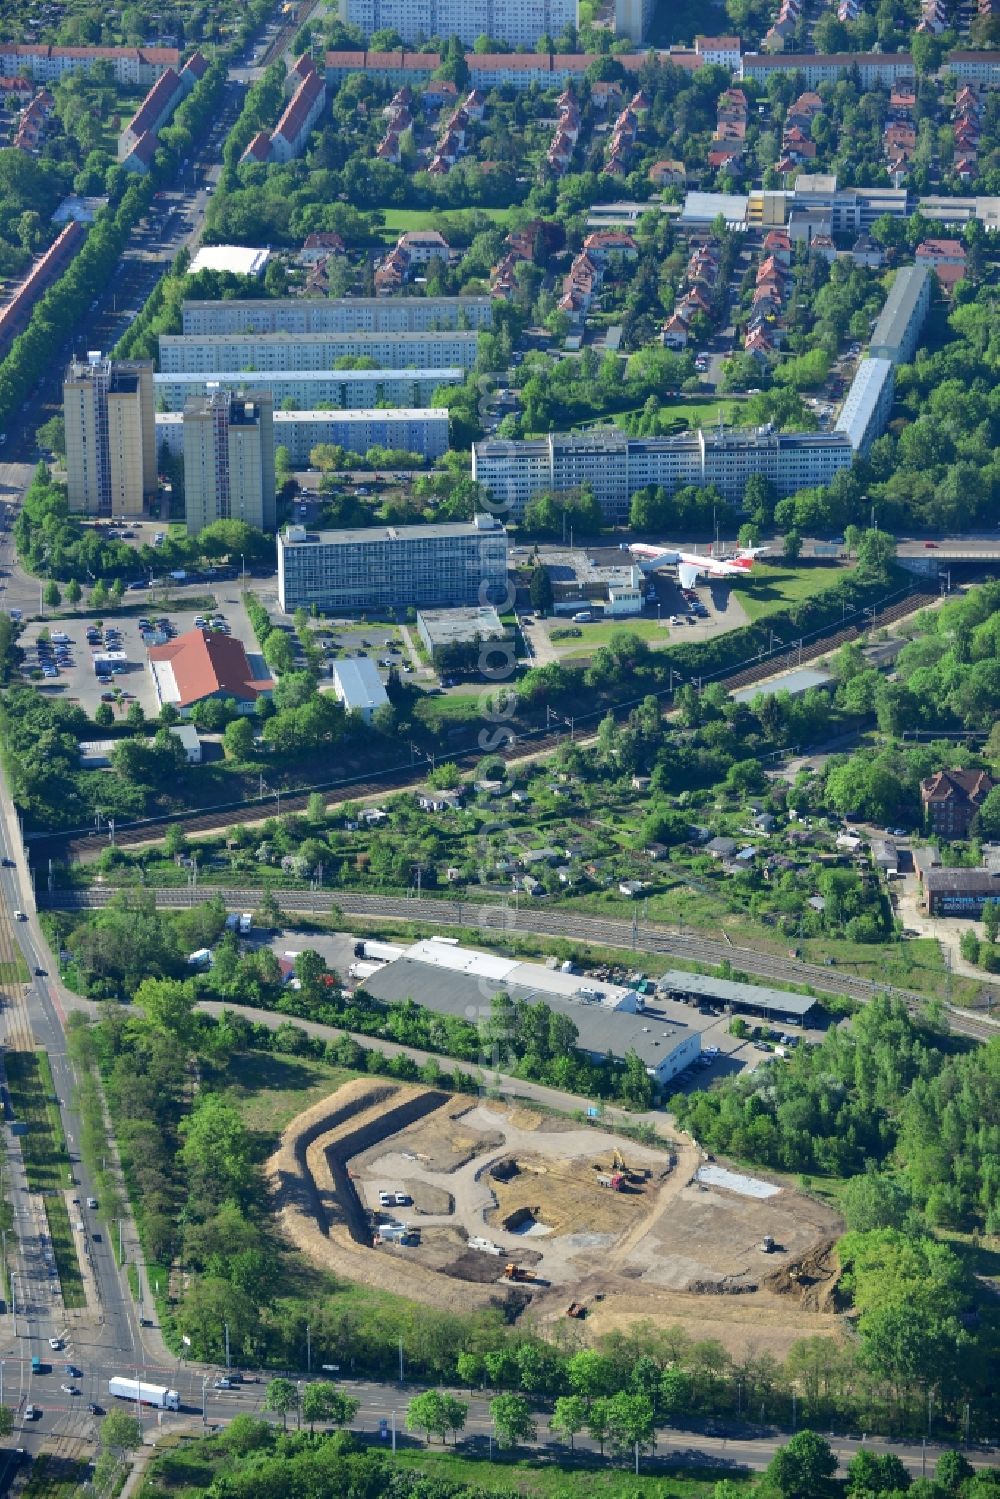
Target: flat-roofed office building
(398,567)
(110,435)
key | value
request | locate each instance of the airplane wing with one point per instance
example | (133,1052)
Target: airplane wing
(688,574)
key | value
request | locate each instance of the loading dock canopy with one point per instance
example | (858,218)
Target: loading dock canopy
(752,997)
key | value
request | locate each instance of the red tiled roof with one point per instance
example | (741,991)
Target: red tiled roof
(293,120)
(205,662)
(963,785)
(197,64)
(259,147)
(145,147)
(164,90)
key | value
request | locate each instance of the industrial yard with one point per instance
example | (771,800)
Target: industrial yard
(459,1202)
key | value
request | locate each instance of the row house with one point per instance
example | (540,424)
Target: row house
(522,246)
(899,140)
(288,138)
(902,99)
(566,134)
(784,24)
(43,274)
(623,136)
(132,66)
(135,150)
(33,120)
(947,259)
(965,128)
(453,140)
(580,287)
(16,87)
(933,18)
(770,296)
(417,247)
(604,243)
(701,277)
(668,173)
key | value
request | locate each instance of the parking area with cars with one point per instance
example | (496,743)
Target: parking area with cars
(103,660)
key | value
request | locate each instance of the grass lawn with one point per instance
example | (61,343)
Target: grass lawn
(596,635)
(399,220)
(270,1089)
(46,1160)
(770,588)
(544,1479)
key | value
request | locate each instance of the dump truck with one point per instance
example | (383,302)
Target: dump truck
(614,1179)
(517,1272)
(140,1393)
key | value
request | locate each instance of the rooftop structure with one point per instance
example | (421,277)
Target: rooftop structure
(237,259)
(203,664)
(454,980)
(440,629)
(336,315)
(755,999)
(865,413)
(359,687)
(393,566)
(795,683)
(897,331)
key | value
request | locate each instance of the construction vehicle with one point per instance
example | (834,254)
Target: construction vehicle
(576,1309)
(514,1271)
(767,1245)
(615,1180)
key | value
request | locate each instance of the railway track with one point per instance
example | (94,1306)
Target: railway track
(639,937)
(80,844)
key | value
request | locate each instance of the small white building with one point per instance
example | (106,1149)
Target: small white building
(188,736)
(359,687)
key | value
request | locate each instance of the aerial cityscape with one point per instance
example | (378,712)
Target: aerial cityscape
(500,749)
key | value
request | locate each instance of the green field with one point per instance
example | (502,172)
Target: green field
(549,1480)
(771,587)
(596,635)
(399,220)
(270,1090)
(46,1160)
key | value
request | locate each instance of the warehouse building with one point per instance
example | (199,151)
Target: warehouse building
(412,429)
(449,979)
(960,892)
(393,567)
(336,315)
(210,353)
(743,999)
(309,389)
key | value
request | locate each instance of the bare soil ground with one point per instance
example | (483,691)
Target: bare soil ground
(667,1247)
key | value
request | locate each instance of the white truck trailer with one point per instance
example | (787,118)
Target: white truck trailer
(140,1393)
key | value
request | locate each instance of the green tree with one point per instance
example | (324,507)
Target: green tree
(512,1420)
(569,1416)
(540,589)
(324,1402)
(426,1413)
(104,715)
(51,597)
(168,1006)
(135,717)
(455,1413)
(238,740)
(875,1200)
(6,1420)
(74,593)
(792,546)
(804,1468)
(279,652)
(952,1471)
(282,1396)
(120,1432)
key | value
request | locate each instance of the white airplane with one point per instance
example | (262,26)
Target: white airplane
(692,565)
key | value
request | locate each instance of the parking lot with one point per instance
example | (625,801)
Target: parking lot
(67,664)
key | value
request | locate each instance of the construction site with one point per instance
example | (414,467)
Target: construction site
(460,1202)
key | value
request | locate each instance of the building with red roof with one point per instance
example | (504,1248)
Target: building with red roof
(202,665)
